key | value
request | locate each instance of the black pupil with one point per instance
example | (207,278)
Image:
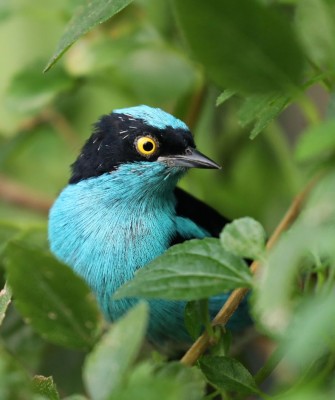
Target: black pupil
(148,146)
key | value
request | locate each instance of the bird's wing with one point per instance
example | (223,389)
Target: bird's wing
(200,213)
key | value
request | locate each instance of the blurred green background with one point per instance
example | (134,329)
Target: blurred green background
(138,57)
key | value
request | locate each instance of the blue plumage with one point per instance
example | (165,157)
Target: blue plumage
(108,225)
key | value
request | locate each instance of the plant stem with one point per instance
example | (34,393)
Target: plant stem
(17,194)
(62,126)
(237,295)
(194,110)
(309,110)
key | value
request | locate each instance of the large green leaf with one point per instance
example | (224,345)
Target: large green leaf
(89,15)
(192,270)
(228,374)
(312,234)
(244,237)
(243,44)
(57,303)
(311,332)
(105,368)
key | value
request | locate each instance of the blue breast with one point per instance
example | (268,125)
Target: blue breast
(105,228)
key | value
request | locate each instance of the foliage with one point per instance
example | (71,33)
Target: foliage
(232,70)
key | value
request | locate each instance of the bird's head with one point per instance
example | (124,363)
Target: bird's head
(142,135)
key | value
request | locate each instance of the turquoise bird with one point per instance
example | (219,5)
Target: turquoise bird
(121,209)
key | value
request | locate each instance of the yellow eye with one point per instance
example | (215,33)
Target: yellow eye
(146,146)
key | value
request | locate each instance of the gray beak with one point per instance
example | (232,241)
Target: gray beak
(192,159)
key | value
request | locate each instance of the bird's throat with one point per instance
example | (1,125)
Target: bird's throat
(105,228)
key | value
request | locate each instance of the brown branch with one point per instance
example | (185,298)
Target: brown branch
(194,110)
(62,126)
(31,123)
(228,309)
(19,195)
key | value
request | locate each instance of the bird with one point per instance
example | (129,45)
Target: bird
(122,208)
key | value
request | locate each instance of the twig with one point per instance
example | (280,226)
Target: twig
(193,112)
(54,118)
(20,195)
(31,123)
(62,126)
(228,309)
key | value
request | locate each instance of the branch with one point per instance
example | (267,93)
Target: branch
(62,126)
(20,195)
(237,295)
(194,110)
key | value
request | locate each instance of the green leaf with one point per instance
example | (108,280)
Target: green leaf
(5,299)
(171,381)
(192,318)
(312,233)
(228,374)
(271,304)
(7,232)
(46,387)
(311,332)
(35,236)
(56,302)
(261,109)
(197,317)
(107,365)
(315,25)
(14,381)
(244,237)
(76,397)
(190,379)
(88,16)
(317,141)
(224,96)
(251,51)
(30,90)
(192,270)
